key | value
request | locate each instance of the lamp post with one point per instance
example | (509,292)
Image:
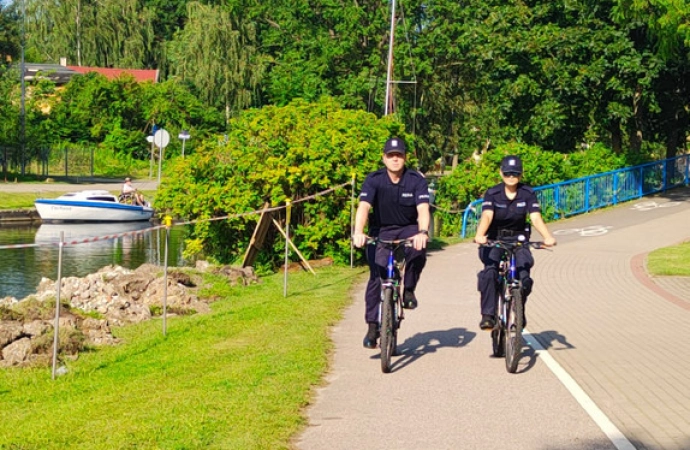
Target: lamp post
(184,135)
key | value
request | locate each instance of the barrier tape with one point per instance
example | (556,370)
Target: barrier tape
(157,227)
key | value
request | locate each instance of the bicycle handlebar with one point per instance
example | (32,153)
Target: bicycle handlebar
(407,242)
(510,245)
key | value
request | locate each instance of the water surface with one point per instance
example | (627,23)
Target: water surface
(88,248)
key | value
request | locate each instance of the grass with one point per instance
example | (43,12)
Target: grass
(670,261)
(236,378)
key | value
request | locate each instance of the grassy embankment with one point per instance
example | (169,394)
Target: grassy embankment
(670,261)
(237,378)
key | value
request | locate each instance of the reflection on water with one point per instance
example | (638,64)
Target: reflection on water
(88,248)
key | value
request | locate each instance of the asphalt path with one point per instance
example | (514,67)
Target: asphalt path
(606,366)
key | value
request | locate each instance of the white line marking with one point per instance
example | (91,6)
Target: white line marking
(613,433)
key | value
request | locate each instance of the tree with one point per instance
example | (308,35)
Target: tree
(216,53)
(273,154)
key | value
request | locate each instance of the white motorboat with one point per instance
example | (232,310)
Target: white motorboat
(90,206)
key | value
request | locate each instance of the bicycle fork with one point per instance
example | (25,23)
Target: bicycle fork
(394,284)
(509,278)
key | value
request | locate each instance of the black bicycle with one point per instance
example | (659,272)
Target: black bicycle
(390,308)
(506,337)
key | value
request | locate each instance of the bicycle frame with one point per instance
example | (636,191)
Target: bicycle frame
(507,336)
(390,307)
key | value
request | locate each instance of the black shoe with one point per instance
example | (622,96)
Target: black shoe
(371,336)
(409,300)
(488,322)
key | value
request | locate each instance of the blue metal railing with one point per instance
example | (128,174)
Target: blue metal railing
(581,195)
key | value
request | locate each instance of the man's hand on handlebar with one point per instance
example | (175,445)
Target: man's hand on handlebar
(359,239)
(550,241)
(419,241)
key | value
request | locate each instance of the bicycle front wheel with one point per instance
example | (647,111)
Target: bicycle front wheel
(388,331)
(498,335)
(514,325)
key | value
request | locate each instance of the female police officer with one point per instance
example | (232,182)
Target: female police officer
(504,215)
(400,200)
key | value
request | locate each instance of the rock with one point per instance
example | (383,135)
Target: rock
(17,352)
(9,331)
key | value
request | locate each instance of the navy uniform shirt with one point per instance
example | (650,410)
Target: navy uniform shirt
(394,204)
(509,214)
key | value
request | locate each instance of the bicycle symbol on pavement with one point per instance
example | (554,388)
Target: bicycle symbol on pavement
(649,205)
(590,231)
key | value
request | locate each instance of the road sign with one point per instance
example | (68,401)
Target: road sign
(161,138)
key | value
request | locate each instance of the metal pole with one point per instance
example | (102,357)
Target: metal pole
(160,163)
(168,221)
(389,72)
(151,165)
(287,246)
(183,141)
(56,325)
(352,222)
(23,89)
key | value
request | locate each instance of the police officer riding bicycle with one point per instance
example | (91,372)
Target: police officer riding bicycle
(400,200)
(505,209)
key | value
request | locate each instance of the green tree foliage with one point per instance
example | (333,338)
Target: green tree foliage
(10,34)
(273,154)
(667,22)
(216,52)
(107,33)
(471,179)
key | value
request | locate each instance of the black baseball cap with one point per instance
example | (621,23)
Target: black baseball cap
(511,163)
(394,145)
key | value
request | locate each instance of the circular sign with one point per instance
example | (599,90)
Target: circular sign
(161,138)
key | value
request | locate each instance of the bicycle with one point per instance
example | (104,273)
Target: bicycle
(390,308)
(506,337)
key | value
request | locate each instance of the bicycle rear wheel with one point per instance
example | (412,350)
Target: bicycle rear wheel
(388,330)
(498,335)
(514,330)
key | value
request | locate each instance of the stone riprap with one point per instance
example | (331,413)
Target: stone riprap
(117,296)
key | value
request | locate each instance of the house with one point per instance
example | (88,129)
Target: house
(62,73)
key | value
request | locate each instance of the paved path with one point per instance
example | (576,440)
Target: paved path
(615,373)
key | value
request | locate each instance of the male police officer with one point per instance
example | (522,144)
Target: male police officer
(504,215)
(400,200)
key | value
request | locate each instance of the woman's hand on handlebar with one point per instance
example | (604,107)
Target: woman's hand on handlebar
(481,239)
(550,241)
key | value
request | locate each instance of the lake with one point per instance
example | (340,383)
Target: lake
(90,247)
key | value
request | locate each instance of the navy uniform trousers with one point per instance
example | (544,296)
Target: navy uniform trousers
(487,279)
(377,258)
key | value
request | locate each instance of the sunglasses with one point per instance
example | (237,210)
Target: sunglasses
(512,174)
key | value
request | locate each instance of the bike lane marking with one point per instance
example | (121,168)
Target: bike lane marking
(612,432)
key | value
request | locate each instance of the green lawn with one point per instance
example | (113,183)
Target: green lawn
(669,261)
(237,378)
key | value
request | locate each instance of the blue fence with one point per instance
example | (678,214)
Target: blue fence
(582,195)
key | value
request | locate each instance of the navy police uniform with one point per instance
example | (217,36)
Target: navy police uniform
(393,216)
(509,221)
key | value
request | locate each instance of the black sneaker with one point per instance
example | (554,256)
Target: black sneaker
(488,322)
(371,336)
(409,300)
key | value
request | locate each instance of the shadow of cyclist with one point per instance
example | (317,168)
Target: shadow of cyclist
(545,339)
(421,344)
(552,340)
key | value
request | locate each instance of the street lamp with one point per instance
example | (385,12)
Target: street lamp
(184,135)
